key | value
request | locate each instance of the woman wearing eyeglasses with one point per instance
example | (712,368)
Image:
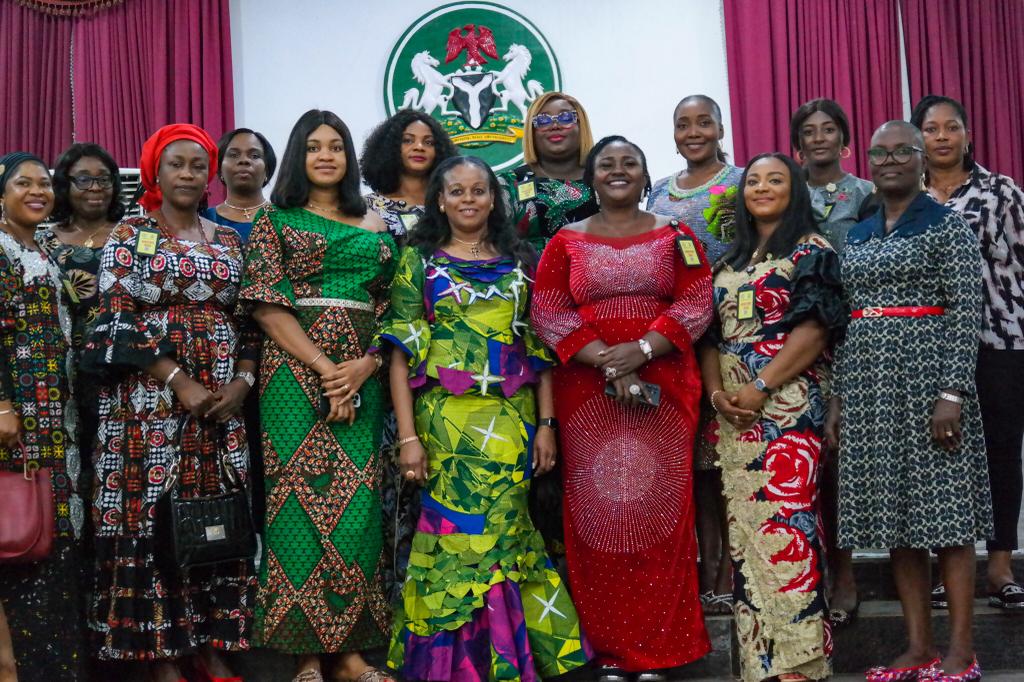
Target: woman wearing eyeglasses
(548,191)
(86,189)
(912,468)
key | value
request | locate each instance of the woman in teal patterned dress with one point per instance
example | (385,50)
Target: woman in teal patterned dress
(482,600)
(318,274)
(913,472)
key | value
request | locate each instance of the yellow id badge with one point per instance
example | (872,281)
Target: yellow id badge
(745,303)
(527,190)
(71,291)
(146,242)
(826,211)
(409,220)
(688,250)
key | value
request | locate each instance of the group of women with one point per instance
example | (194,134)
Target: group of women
(427,354)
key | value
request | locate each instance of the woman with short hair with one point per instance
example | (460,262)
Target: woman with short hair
(912,468)
(247,162)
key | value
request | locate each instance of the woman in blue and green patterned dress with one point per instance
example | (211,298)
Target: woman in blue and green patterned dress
(482,600)
(318,274)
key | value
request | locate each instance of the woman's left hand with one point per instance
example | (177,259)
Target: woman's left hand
(749,398)
(623,358)
(348,377)
(946,424)
(545,449)
(228,400)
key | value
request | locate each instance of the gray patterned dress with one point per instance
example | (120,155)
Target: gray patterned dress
(897,488)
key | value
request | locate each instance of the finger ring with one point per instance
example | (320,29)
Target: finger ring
(634,389)
(410,474)
(610,372)
(949,434)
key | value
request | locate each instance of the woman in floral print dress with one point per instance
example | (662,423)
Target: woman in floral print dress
(778,305)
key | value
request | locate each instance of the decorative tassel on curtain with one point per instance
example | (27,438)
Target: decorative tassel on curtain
(69,8)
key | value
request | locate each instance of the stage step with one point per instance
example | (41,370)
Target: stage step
(874,576)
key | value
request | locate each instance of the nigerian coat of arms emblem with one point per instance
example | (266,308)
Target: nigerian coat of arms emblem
(475,67)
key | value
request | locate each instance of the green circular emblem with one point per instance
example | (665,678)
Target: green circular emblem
(475,67)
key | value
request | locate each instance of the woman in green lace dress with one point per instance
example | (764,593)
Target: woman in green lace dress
(481,600)
(318,274)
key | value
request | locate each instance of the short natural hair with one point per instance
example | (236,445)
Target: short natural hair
(62,181)
(586,136)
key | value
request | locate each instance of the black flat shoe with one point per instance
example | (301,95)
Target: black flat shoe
(1010,597)
(841,618)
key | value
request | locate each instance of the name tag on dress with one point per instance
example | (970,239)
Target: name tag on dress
(146,242)
(826,210)
(688,250)
(409,220)
(745,303)
(527,190)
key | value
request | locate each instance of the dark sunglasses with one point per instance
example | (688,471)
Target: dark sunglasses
(84,182)
(562,118)
(878,156)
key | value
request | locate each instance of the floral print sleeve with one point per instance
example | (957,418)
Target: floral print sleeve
(408,322)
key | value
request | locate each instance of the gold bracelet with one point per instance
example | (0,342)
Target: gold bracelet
(714,405)
(315,358)
(407,440)
(378,359)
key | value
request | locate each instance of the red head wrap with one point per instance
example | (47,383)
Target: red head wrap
(149,163)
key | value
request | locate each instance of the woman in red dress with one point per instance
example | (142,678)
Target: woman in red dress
(621,297)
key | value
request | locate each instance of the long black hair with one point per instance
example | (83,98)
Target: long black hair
(590,164)
(269,157)
(797,220)
(292,187)
(381,161)
(433,231)
(62,181)
(929,101)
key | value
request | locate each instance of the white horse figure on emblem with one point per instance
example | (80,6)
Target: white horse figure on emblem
(518,58)
(434,85)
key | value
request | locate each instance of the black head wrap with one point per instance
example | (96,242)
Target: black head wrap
(10,163)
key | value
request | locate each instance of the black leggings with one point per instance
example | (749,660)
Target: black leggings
(1000,379)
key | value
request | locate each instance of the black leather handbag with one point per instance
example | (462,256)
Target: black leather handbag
(203,531)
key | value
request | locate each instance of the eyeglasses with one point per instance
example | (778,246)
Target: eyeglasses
(562,118)
(84,182)
(878,156)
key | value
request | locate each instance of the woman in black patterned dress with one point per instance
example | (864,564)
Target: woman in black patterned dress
(912,468)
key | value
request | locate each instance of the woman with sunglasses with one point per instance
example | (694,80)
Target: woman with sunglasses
(912,468)
(548,191)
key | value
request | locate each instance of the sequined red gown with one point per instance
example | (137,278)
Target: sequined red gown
(629,514)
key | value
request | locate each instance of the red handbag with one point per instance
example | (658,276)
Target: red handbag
(26,514)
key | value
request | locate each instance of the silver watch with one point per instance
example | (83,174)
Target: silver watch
(645,346)
(247,377)
(761,386)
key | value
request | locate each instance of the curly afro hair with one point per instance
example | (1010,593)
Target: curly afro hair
(381,161)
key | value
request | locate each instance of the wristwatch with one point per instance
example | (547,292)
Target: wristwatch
(761,386)
(549,422)
(247,377)
(645,346)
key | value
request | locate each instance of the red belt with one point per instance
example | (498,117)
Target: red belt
(900,311)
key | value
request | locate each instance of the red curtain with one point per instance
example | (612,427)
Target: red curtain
(35,88)
(973,52)
(782,53)
(137,66)
(147,63)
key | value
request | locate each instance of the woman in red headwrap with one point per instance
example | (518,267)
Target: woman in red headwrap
(180,365)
